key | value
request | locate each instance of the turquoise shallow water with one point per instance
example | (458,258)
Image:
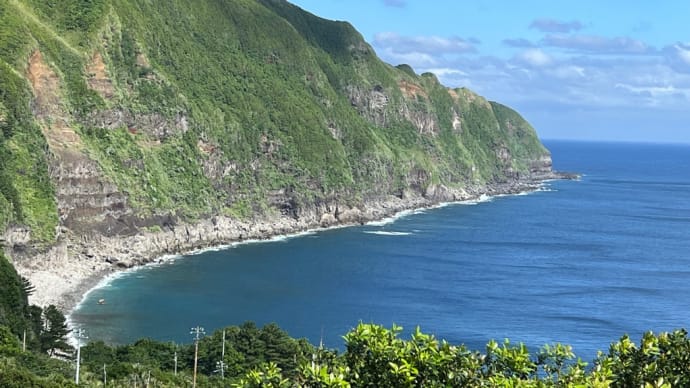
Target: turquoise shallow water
(580,262)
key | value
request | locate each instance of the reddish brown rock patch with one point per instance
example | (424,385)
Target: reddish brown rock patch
(411,90)
(47,106)
(98,79)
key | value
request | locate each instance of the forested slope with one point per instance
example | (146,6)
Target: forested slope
(119,115)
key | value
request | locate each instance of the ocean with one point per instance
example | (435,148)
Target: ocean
(577,262)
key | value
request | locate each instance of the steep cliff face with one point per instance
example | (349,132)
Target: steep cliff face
(86,199)
(121,115)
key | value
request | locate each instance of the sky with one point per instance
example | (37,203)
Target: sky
(585,70)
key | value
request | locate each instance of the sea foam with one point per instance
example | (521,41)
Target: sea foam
(386,233)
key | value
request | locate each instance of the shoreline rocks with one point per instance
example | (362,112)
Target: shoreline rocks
(65,271)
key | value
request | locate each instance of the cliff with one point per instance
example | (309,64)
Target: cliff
(124,118)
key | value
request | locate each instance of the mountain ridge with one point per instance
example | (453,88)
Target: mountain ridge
(124,119)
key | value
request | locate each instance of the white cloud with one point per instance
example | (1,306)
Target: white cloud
(568,72)
(434,45)
(551,25)
(534,57)
(441,72)
(594,44)
(683,53)
(656,90)
(678,56)
(414,59)
(518,42)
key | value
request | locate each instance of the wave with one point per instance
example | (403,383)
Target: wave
(397,216)
(481,199)
(277,238)
(545,189)
(385,233)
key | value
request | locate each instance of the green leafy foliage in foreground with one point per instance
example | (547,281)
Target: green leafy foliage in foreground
(374,356)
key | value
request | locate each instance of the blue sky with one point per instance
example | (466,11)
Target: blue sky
(586,70)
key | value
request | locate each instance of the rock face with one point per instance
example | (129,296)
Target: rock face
(155,125)
(143,131)
(375,104)
(87,202)
(98,79)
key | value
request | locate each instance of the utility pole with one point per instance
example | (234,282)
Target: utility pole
(197,332)
(105,377)
(175,356)
(24,342)
(79,334)
(222,358)
(221,364)
(175,363)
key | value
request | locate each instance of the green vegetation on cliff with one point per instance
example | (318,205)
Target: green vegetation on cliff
(238,107)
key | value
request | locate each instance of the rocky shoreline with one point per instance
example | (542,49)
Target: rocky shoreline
(63,273)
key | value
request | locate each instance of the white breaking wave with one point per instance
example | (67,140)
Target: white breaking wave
(482,199)
(395,217)
(384,233)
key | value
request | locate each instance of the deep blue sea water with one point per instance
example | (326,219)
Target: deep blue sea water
(579,262)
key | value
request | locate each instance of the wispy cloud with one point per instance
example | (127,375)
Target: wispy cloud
(434,45)
(395,3)
(415,59)
(445,71)
(534,57)
(678,56)
(519,42)
(552,25)
(594,44)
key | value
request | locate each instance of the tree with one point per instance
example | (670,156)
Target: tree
(54,331)
(27,286)
(35,327)
(13,299)
(9,344)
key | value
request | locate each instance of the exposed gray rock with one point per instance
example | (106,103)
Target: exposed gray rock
(153,124)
